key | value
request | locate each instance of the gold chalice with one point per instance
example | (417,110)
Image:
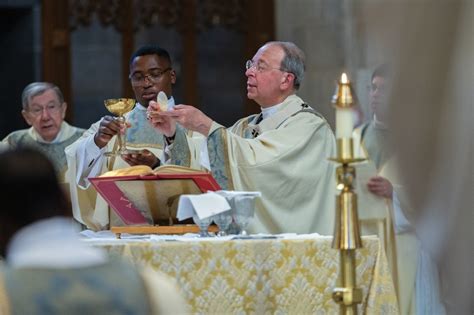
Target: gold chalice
(119,107)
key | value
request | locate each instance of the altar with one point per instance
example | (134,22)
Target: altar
(283,274)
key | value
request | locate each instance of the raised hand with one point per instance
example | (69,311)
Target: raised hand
(380,186)
(190,118)
(164,124)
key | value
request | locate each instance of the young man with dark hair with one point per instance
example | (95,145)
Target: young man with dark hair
(151,71)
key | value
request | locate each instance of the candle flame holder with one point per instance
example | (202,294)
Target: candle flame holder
(346,230)
(343,95)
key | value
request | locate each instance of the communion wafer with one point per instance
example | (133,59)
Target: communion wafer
(162,101)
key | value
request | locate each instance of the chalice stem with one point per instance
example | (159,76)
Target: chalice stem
(122,136)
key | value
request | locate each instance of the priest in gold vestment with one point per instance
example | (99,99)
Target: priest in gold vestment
(281,152)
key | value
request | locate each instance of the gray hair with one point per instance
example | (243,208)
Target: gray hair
(38,88)
(293,62)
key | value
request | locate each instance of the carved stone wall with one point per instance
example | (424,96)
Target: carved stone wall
(168,13)
(207,39)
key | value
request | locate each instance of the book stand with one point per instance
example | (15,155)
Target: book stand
(147,204)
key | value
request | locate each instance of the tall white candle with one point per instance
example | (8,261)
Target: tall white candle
(344,117)
(344,123)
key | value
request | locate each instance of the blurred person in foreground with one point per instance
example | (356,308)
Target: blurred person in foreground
(281,152)
(44,110)
(151,71)
(47,269)
(432,118)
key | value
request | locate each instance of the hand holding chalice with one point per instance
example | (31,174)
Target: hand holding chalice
(119,106)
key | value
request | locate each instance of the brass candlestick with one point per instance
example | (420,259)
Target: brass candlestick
(346,229)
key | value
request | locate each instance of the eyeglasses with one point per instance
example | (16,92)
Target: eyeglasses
(52,108)
(374,87)
(153,76)
(259,66)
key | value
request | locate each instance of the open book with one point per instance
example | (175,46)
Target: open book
(142,196)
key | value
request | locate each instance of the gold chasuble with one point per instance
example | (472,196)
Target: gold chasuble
(401,245)
(284,156)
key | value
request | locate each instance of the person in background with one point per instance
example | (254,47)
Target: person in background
(47,269)
(44,110)
(151,71)
(372,141)
(281,152)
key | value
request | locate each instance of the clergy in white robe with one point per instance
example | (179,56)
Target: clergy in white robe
(54,149)
(389,221)
(393,227)
(282,152)
(150,73)
(44,110)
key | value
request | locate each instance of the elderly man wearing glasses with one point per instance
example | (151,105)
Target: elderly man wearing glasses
(44,110)
(281,152)
(150,73)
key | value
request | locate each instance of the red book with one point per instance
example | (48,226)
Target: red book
(140,196)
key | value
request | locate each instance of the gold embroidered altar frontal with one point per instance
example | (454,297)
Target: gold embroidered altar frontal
(267,276)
